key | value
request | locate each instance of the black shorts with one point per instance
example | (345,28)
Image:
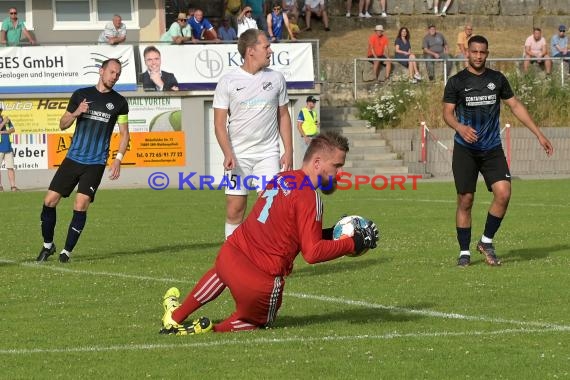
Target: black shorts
(72,173)
(468,163)
(383,57)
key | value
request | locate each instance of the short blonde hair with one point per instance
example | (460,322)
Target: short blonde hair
(248,39)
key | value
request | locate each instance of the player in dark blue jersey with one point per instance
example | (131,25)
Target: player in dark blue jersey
(95,111)
(471,106)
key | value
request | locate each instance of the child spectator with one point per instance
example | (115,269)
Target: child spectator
(295,29)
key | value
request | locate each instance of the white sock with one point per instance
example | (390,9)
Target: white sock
(64,251)
(435,10)
(444,9)
(230,228)
(486,240)
(48,245)
(464,253)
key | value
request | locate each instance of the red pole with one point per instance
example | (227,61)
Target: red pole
(423,142)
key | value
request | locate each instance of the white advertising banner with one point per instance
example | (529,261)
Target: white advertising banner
(34,69)
(30,151)
(198,67)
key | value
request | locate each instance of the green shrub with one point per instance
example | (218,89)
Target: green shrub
(388,105)
(405,105)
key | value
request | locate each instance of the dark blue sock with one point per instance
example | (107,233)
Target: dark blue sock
(48,219)
(492,225)
(464,238)
(75,227)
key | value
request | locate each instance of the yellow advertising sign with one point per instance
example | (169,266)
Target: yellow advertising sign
(155,114)
(145,149)
(36,115)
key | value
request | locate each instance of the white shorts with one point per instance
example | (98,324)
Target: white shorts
(251,174)
(314,4)
(8,158)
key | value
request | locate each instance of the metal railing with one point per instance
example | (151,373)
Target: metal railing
(556,61)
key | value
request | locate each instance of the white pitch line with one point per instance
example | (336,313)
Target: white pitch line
(93,273)
(453,201)
(257,341)
(427,313)
(431,313)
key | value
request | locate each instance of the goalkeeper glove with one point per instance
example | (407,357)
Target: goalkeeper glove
(365,238)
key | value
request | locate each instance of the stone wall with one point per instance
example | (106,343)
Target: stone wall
(213,8)
(474,7)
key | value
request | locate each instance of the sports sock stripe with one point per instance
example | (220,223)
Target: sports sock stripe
(274,300)
(241,325)
(209,290)
(211,295)
(206,285)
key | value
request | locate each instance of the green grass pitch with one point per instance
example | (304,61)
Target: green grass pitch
(402,311)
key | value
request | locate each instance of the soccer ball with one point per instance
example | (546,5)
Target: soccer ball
(344,229)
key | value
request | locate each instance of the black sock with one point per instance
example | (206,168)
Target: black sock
(492,225)
(75,227)
(464,238)
(48,218)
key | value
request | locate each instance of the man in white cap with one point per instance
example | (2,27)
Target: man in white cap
(378,47)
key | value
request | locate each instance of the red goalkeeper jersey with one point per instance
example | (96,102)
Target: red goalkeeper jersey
(286,220)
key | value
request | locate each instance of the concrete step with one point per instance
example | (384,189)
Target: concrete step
(359,156)
(359,128)
(350,129)
(345,124)
(353,137)
(369,149)
(369,152)
(387,170)
(391,170)
(338,113)
(372,163)
(368,143)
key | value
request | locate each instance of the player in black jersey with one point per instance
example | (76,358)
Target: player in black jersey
(95,111)
(471,106)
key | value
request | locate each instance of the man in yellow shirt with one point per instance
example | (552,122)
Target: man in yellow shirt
(462,39)
(307,121)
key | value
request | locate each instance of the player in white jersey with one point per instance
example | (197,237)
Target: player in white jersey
(250,113)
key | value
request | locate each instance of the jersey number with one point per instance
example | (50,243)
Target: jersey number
(231,180)
(264,214)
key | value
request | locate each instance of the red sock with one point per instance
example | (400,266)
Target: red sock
(234,324)
(207,289)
